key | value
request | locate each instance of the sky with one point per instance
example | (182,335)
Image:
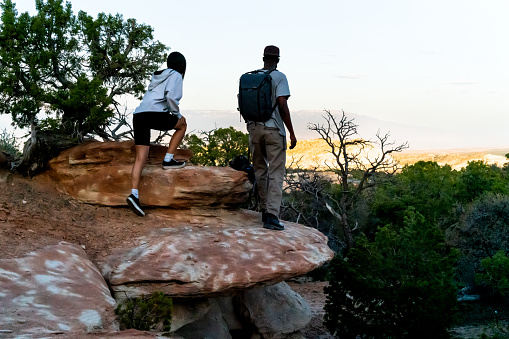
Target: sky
(428,63)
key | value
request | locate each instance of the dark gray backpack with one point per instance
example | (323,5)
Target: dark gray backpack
(255,96)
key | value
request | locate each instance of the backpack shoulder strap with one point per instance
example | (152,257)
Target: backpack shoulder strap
(262,71)
(275,105)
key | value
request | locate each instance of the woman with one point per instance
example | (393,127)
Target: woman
(158,110)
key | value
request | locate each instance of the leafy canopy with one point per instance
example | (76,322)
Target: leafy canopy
(72,67)
(398,286)
(217,147)
(430,188)
(495,273)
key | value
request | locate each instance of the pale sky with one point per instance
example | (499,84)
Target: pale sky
(424,63)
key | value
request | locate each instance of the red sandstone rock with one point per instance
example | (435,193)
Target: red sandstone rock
(113,153)
(214,255)
(100,173)
(57,290)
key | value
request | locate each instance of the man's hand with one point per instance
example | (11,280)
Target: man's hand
(293,141)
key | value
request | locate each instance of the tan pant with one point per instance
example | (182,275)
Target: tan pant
(268,150)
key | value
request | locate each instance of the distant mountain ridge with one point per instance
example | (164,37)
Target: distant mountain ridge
(418,137)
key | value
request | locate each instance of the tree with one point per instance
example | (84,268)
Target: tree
(398,286)
(72,68)
(430,188)
(479,177)
(350,155)
(495,273)
(218,146)
(300,206)
(481,233)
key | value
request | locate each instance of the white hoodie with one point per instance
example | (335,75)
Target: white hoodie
(163,93)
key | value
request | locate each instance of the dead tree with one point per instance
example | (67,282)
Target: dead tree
(350,153)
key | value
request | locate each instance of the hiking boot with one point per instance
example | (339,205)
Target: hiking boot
(134,204)
(173,164)
(272,223)
(264,215)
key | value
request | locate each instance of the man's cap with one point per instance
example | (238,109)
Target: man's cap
(271,50)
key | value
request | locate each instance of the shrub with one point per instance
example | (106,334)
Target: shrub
(427,186)
(146,313)
(481,232)
(496,273)
(399,286)
(217,147)
(479,178)
(8,144)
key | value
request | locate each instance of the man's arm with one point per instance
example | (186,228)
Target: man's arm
(284,112)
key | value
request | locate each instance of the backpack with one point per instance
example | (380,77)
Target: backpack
(255,96)
(241,163)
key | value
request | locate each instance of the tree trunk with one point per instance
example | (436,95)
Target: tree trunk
(39,149)
(347,230)
(343,220)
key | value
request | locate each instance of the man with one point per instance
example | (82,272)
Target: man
(267,141)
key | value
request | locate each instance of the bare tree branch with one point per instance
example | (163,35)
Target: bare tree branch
(350,153)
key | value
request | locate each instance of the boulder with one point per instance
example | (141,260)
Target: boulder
(230,313)
(114,153)
(276,311)
(56,290)
(100,173)
(220,254)
(186,311)
(210,326)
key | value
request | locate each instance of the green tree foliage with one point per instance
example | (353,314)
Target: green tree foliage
(485,223)
(73,68)
(8,144)
(146,313)
(478,178)
(218,146)
(495,273)
(398,286)
(481,233)
(430,188)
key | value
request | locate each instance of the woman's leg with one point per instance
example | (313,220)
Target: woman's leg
(139,163)
(178,135)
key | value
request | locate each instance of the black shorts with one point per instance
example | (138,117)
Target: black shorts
(145,121)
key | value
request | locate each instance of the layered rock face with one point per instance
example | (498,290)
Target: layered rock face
(100,173)
(224,272)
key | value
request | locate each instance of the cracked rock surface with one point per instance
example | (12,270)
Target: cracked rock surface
(214,255)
